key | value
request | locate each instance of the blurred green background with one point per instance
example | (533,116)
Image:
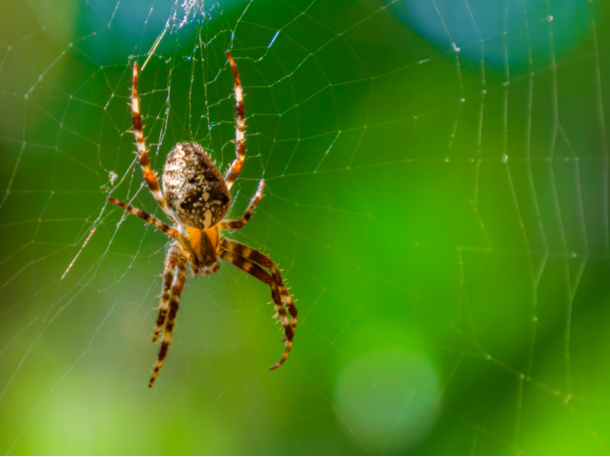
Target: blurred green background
(437,195)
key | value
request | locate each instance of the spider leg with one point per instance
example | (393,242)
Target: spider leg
(171,260)
(147,217)
(239,223)
(251,261)
(174,300)
(240,128)
(211,270)
(149,175)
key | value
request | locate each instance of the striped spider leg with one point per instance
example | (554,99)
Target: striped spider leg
(196,198)
(252,262)
(149,175)
(240,129)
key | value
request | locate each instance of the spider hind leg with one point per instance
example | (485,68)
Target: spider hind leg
(149,174)
(240,127)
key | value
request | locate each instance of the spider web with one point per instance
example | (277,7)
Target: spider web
(437,195)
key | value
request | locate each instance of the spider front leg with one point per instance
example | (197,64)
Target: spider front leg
(239,223)
(250,260)
(171,261)
(149,175)
(175,255)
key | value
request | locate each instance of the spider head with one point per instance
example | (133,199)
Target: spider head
(202,247)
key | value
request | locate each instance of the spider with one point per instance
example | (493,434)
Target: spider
(196,197)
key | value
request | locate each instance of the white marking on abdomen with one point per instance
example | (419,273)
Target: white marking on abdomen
(207,219)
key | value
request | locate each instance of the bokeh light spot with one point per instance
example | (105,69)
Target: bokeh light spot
(388,399)
(517,34)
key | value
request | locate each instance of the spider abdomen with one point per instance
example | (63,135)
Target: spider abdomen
(197,195)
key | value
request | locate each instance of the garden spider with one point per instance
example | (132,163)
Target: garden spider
(196,197)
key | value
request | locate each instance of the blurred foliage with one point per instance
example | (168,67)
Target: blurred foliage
(442,222)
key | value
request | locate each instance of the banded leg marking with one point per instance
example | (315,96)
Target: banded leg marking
(171,260)
(240,128)
(174,302)
(247,259)
(147,217)
(265,261)
(239,223)
(149,175)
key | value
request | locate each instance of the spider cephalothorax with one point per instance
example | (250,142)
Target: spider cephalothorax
(196,198)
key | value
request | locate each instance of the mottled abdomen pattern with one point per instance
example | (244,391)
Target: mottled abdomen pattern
(196,194)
